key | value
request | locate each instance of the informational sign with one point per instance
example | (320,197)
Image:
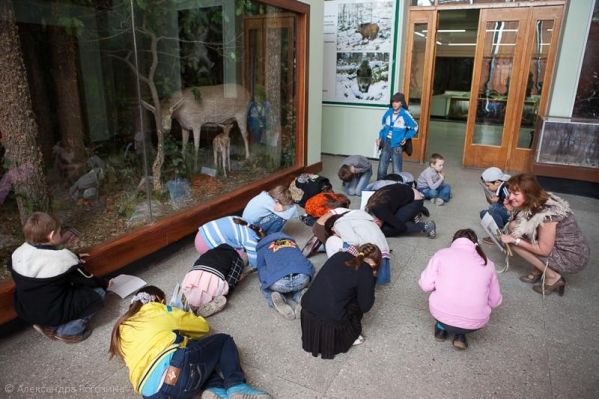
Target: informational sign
(359,51)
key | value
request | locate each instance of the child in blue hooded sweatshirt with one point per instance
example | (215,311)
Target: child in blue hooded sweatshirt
(283,271)
(398,127)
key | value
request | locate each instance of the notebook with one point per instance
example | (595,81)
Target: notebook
(124,285)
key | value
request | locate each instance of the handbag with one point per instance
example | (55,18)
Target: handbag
(407,147)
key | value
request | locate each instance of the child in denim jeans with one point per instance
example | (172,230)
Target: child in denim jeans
(431,182)
(355,173)
(283,271)
(495,181)
(169,355)
(270,210)
(53,292)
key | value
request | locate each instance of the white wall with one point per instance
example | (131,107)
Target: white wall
(570,57)
(315,73)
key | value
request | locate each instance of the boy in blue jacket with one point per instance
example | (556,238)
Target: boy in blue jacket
(283,271)
(398,127)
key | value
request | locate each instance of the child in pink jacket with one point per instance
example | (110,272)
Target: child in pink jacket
(464,288)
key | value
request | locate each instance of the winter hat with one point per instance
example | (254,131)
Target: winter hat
(493,174)
(399,97)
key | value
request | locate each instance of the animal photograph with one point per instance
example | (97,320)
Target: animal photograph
(362,76)
(366,26)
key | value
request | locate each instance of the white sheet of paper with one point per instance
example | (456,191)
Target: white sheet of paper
(365,196)
(492,229)
(124,285)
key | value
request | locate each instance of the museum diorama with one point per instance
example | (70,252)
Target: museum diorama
(119,114)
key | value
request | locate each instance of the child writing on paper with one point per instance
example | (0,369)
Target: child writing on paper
(431,182)
(496,182)
(169,355)
(270,210)
(398,127)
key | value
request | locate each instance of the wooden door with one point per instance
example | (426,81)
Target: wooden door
(496,86)
(417,84)
(539,60)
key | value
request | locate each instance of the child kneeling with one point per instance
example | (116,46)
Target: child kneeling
(53,291)
(270,210)
(333,306)
(283,271)
(166,358)
(464,288)
(213,276)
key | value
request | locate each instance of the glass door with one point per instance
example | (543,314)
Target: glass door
(495,90)
(542,40)
(417,83)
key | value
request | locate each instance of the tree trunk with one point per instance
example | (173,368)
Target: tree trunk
(38,87)
(17,122)
(273,92)
(68,103)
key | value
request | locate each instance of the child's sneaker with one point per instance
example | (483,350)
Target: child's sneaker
(359,341)
(488,240)
(49,332)
(440,202)
(74,339)
(460,342)
(213,307)
(311,247)
(430,228)
(246,391)
(282,306)
(214,393)
(440,333)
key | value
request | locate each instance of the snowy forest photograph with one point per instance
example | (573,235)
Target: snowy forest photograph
(365,26)
(362,76)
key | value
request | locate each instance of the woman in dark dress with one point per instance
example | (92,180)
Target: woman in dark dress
(332,308)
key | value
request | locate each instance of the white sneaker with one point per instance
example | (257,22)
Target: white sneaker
(282,306)
(440,202)
(359,341)
(213,307)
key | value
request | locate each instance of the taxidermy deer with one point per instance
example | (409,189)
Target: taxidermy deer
(211,106)
(221,144)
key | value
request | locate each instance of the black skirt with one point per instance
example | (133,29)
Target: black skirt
(330,337)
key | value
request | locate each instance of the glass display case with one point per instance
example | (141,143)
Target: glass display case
(138,111)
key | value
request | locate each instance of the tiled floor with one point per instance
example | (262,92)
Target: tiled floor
(532,348)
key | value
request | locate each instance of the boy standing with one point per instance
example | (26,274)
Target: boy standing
(495,181)
(431,182)
(53,292)
(398,127)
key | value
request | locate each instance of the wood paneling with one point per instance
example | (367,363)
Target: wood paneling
(430,19)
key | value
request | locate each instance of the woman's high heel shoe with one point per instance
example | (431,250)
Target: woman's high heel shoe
(559,286)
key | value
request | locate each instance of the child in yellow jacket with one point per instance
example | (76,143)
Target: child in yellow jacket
(166,358)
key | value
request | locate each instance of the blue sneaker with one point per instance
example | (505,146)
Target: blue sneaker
(246,391)
(214,393)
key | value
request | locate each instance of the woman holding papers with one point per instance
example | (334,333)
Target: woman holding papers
(544,232)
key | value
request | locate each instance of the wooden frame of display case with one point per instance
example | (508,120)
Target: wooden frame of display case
(116,253)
